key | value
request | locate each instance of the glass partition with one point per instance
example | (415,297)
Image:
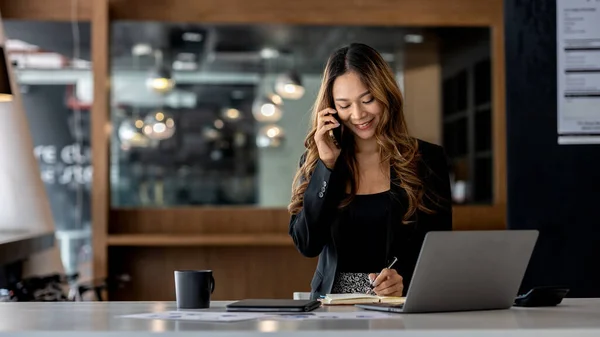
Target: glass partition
(52,65)
(217,114)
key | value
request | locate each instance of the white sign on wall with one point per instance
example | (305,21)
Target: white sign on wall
(578,71)
(67,166)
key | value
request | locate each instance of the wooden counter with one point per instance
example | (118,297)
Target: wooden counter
(19,244)
(248,249)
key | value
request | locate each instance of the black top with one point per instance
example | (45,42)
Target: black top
(363,231)
(317,229)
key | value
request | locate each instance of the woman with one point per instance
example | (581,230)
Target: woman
(373,194)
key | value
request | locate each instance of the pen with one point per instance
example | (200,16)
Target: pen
(392,263)
(394,260)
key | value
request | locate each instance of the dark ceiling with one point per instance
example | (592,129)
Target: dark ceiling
(237,48)
(229,48)
(224,47)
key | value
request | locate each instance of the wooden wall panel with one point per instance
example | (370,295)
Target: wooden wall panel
(332,12)
(245,272)
(258,221)
(242,270)
(99,136)
(199,220)
(499,110)
(422,90)
(492,217)
(45,10)
(406,12)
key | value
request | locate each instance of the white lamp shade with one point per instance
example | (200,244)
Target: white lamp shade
(270,136)
(289,86)
(160,80)
(159,126)
(231,114)
(24,204)
(268,109)
(130,133)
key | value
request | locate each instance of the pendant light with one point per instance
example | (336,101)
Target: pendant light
(289,86)
(268,108)
(160,79)
(270,136)
(159,126)
(130,131)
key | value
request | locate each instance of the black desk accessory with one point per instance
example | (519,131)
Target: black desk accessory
(274,305)
(548,296)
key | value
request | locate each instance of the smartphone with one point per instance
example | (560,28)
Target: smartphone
(336,133)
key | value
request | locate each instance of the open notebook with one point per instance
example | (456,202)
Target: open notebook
(350,299)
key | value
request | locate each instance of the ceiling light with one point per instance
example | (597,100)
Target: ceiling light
(276,99)
(269,53)
(141,49)
(185,66)
(130,134)
(270,136)
(178,99)
(185,62)
(159,126)
(413,38)
(289,86)
(231,114)
(267,108)
(160,80)
(192,37)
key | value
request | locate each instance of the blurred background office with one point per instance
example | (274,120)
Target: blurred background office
(167,140)
(216,115)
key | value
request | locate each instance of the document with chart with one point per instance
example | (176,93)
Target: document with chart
(578,70)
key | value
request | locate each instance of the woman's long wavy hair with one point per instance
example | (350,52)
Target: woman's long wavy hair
(395,144)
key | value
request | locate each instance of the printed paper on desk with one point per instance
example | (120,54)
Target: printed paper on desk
(198,316)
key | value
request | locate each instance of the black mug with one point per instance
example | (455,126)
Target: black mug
(193,288)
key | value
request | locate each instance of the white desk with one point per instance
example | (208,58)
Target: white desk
(575,317)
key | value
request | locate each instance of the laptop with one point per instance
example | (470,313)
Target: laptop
(466,270)
(274,305)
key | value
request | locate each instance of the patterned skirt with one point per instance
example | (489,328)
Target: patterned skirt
(348,283)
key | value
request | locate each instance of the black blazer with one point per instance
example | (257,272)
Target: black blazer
(315,228)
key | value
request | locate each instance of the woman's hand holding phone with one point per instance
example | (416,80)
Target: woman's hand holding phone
(328,151)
